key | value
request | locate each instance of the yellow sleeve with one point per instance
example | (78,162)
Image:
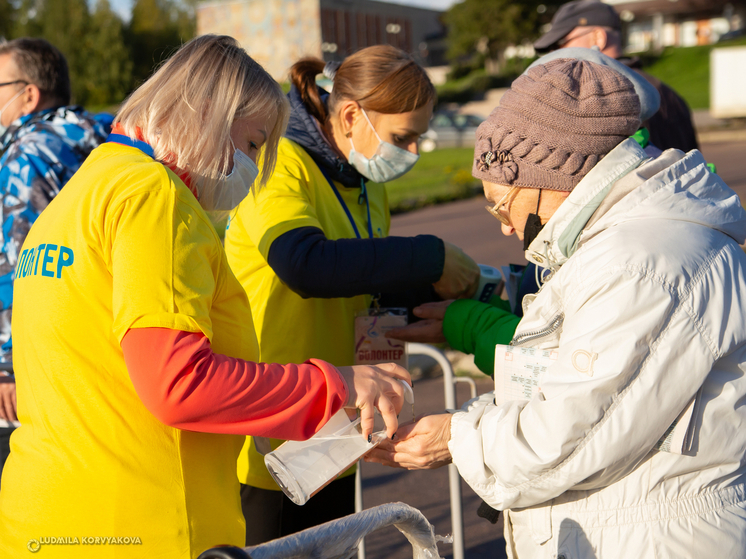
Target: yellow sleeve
(285,203)
(163,260)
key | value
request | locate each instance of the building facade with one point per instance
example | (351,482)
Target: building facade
(654,24)
(276,33)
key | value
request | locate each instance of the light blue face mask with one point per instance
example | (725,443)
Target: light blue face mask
(388,163)
(233,188)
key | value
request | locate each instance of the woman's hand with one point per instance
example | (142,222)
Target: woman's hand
(376,387)
(460,277)
(422,445)
(429,330)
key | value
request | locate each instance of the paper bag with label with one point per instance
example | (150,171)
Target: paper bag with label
(518,372)
(371,344)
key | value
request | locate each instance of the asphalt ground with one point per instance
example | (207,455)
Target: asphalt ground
(466,224)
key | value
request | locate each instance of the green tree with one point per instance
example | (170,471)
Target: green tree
(65,24)
(26,23)
(156,30)
(487,27)
(8,11)
(107,59)
(186,19)
(108,77)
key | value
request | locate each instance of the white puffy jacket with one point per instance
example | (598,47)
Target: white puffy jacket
(649,285)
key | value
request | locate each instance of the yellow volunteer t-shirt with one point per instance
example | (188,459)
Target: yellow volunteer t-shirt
(124,245)
(290,328)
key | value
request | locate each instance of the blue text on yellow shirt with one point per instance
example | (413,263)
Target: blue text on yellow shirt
(36,261)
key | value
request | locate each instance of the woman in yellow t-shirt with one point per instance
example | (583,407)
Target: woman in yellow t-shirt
(312,248)
(134,343)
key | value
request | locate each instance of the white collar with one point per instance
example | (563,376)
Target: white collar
(558,239)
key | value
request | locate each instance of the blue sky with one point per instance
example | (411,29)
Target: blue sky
(123,7)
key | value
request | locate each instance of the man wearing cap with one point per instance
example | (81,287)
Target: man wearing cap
(593,24)
(621,432)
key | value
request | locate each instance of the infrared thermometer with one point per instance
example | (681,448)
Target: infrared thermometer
(489,279)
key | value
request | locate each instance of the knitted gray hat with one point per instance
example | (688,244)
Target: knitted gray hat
(650,99)
(554,124)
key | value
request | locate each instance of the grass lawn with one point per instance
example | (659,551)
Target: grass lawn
(439,176)
(687,70)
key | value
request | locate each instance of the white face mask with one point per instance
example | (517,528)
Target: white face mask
(231,190)
(4,128)
(388,163)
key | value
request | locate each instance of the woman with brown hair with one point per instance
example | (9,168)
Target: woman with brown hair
(312,250)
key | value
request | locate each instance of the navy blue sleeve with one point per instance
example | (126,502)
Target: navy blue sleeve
(314,266)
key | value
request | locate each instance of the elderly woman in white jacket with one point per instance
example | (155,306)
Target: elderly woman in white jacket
(631,442)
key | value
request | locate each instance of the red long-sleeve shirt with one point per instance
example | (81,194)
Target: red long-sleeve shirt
(185,385)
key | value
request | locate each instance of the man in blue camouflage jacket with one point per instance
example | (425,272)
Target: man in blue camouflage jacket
(43,141)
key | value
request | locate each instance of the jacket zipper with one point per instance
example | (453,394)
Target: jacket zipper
(532,335)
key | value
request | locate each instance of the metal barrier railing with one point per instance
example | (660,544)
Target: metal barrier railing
(454,480)
(339,538)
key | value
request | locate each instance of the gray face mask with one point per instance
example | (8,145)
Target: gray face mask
(233,188)
(3,128)
(388,163)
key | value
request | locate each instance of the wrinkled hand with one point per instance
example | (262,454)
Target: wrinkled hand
(8,399)
(460,277)
(376,387)
(422,445)
(427,331)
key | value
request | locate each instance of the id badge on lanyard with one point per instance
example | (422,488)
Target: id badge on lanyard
(371,344)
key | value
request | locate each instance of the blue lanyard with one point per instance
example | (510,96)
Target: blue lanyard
(363,194)
(144,147)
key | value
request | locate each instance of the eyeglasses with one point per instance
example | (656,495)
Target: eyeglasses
(496,209)
(14,81)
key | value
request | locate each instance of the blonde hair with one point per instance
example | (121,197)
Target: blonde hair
(186,109)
